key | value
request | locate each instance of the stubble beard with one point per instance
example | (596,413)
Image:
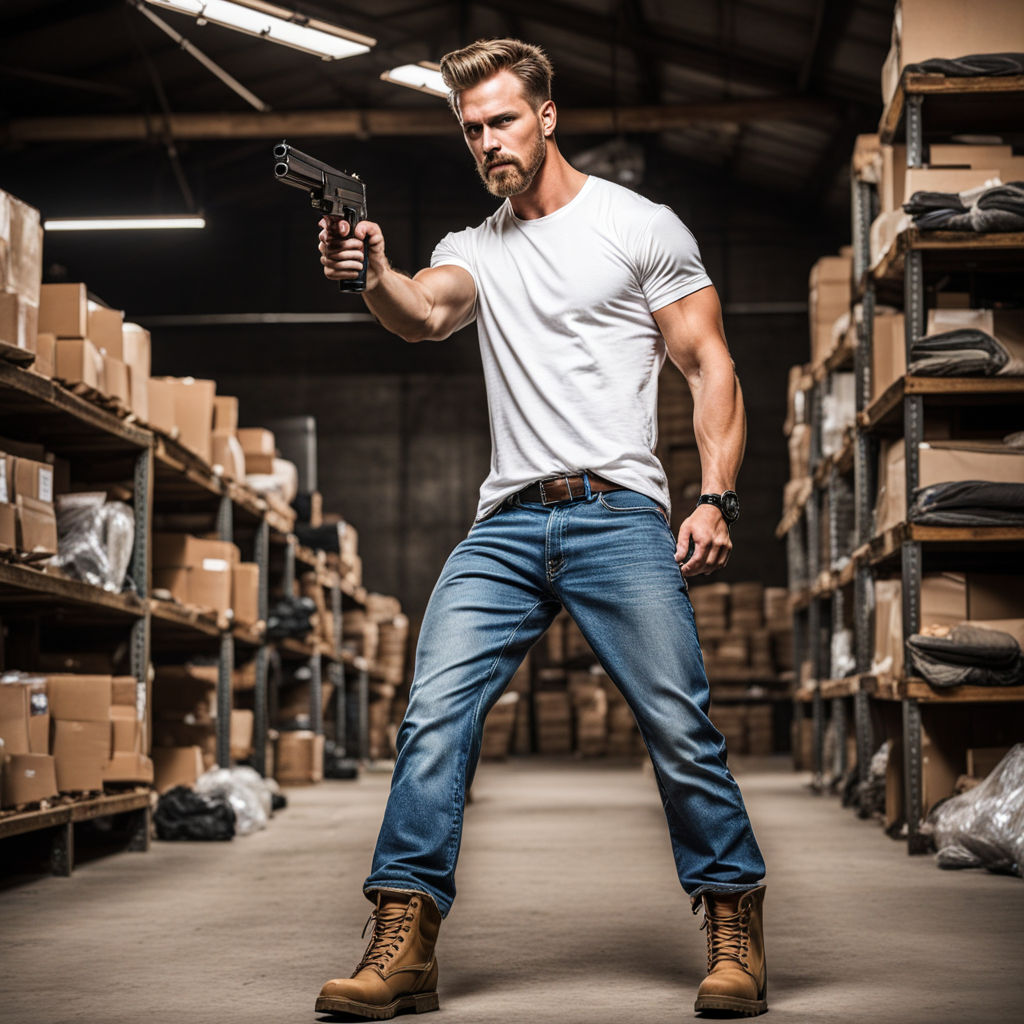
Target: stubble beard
(515,177)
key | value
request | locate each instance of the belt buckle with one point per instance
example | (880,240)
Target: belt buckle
(544,500)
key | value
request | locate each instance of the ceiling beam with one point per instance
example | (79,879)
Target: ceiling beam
(395,122)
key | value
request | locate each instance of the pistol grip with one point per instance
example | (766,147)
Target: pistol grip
(358,284)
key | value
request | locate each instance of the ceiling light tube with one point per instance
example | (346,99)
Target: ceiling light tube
(256,18)
(172,220)
(423,77)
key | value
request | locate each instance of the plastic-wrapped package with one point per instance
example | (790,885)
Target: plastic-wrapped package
(843,661)
(984,827)
(95,539)
(246,792)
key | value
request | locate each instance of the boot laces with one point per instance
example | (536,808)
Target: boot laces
(389,928)
(728,937)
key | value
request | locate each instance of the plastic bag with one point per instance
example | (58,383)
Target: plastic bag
(249,795)
(94,539)
(183,814)
(984,827)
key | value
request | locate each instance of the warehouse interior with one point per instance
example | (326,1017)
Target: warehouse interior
(228,492)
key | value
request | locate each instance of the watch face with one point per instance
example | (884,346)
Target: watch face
(731,506)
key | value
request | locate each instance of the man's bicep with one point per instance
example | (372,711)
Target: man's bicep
(692,327)
(451,291)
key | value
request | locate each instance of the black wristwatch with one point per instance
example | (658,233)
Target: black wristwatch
(728,503)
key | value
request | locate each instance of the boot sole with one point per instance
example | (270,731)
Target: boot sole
(419,1002)
(731,1006)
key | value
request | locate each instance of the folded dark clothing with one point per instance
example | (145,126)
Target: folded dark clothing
(975,65)
(969,503)
(996,209)
(925,202)
(969,656)
(964,352)
(1009,196)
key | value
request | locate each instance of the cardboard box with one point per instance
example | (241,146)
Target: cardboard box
(36,530)
(941,462)
(176,766)
(28,478)
(225,414)
(982,760)
(888,352)
(8,527)
(114,380)
(80,698)
(136,348)
(63,310)
(959,155)
(193,412)
(245,592)
(78,361)
(128,767)
(160,398)
(226,452)
(21,248)
(27,779)
(124,691)
(138,393)
(14,716)
(241,733)
(19,321)
(46,355)
(126,730)
(256,441)
(195,571)
(104,327)
(942,179)
(892,179)
(299,757)
(81,750)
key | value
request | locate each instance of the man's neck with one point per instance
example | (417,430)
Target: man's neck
(557,183)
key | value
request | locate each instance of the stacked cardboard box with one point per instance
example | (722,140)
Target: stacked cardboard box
(21,262)
(360,634)
(829,291)
(28,769)
(623,735)
(299,758)
(323,619)
(677,444)
(746,726)
(498,728)
(184,719)
(28,521)
(552,715)
(391,650)
(182,407)
(226,454)
(199,572)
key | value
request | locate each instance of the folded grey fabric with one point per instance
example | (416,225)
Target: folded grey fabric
(969,503)
(996,209)
(964,352)
(969,656)
(975,65)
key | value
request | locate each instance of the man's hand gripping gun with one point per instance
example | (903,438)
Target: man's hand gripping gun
(334,193)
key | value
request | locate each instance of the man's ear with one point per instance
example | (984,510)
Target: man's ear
(548,118)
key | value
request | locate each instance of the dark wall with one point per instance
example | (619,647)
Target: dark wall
(404,439)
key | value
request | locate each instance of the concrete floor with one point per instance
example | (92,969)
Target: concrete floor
(568,911)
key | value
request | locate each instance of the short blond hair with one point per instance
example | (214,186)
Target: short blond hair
(462,69)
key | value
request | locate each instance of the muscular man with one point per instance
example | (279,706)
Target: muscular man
(578,288)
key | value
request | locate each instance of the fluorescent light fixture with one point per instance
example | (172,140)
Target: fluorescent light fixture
(423,77)
(173,220)
(277,24)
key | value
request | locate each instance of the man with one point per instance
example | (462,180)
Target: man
(578,287)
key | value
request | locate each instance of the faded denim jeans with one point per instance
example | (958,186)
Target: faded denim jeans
(609,561)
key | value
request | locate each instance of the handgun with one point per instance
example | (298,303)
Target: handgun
(332,192)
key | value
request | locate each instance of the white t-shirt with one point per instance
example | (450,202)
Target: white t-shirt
(571,353)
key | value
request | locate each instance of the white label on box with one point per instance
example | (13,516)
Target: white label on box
(215,564)
(3,481)
(30,773)
(45,483)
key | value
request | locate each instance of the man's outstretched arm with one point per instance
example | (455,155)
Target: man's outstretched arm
(430,306)
(695,339)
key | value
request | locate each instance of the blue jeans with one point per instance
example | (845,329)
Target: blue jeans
(609,561)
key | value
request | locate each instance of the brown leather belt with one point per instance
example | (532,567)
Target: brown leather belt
(565,488)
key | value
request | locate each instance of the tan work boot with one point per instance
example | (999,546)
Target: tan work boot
(737,981)
(398,970)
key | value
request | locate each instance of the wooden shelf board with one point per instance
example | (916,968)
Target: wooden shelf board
(887,545)
(13,823)
(888,405)
(189,620)
(916,83)
(20,581)
(911,688)
(964,248)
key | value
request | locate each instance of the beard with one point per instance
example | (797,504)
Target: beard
(515,177)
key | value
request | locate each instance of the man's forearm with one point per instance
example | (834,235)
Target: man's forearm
(400,304)
(719,423)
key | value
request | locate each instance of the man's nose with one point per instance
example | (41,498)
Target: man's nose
(490,141)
